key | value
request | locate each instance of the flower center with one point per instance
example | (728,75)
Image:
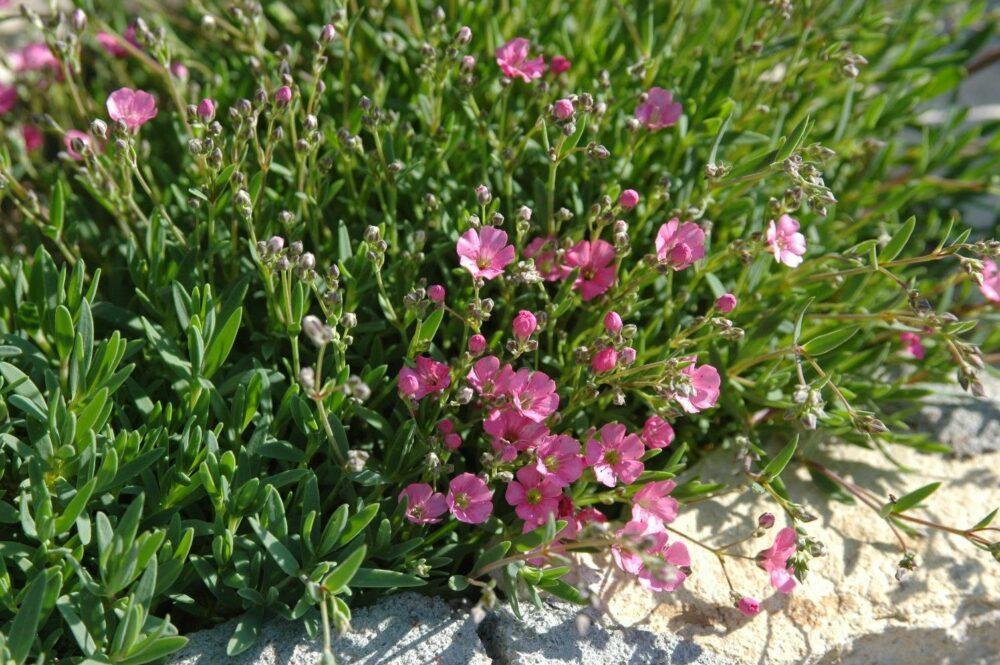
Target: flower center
(551,463)
(461,500)
(611,457)
(533,495)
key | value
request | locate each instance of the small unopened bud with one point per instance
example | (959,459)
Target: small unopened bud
(206,110)
(349,320)
(463,36)
(328,33)
(283,96)
(483,195)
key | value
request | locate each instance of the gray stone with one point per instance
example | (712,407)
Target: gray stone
(568,634)
(404,629)
(969,425)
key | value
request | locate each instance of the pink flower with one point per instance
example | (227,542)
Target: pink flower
(525,324)
(436,293)
(613,323)
(785,241)
(563,109)
(533,495)
(283,96)
(614,455)
(33,57)
(748,606)
(559,456)
(429,376)
(469,499)
(543,252)
(513,60)
(512,433)
(629,199)
(670,574)
(679,245)
(33,138)
(179,70)
(726,303)
(664,575)
(652,504)
(111,44)
(559,65)
(132,107)
(68,142)
(488,378)
(596,262)
(533,394)
(657,433)
(913,344)
(485,253)
(698,387)
(206,109)
(423,504)
(477,344)
(604,360)
(990,286)
(446,428)
(8,97)
(659,110)
(775,560)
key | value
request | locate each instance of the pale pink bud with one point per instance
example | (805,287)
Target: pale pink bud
(563,109)
(477,344)
(206,110)
(525,324)
(726,303)
(612,323)
(604,361)
(328,33)
(436,292)
(628,355)
(766,520)
(628,199)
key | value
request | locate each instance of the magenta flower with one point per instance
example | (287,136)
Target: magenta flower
(111,44)
(514,63)
(469,499)
(653,505)
(33,137)
(657,432)
(785,241)
(533,394)
(629,199)
(697,388)
(33,57)
(429,376)
(990,286)
(664,575)
(631,535)
(8,97)
(533,495)
(559,457)
(485,253)
(132,107)
(563,109)
(68,142)
(913,344)
(670,574)
(525,324)
(596,262)
(543,252)
(680,245)
(659,110)
(512,433)
(604,360)
(423,504)
(748,606)
(775,560)
(488,378)
(559,65)
(615,455)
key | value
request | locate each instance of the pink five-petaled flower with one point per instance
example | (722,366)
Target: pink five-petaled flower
(112,44)
(134,108)
(596,261)
(604,360)
(469,499)
(659,110)
(68,140)
(775,560)
(423,504)
(990,286)
(543,252)
(666,574)
(532,394)
(559,65)
(559,457)
(524,325)
(429,376)
(533,495)
(912,343)
(748,606)
(487,377)
(785,241)
(485,253)
(513,60)
(614,455)
(697,387)
(33,57)
(726,303)
(8,97)
(652,504)
(678,245)
(512,433)
(657,432)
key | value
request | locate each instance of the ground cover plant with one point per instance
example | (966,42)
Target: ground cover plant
(305,302)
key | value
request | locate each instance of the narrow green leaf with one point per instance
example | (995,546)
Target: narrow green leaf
(376,578)
(281,554)
(341,576)
(781,460)
(829,341)
(24,628)
(898,241)
(907,501)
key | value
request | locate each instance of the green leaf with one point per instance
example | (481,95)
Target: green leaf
(156,650)
(781,460)
(986,521)
(245,634)
(458,582)
(376,578)
(281,554)
(57,207)
(222,343)
(341,576)
(898,241)
(357,523)
(75,507)
(907,501)
(24,628)
(829,341)
(492,555)
(563,590)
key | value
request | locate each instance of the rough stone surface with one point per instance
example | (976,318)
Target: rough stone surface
(566,634)
(405,629)
(967,424)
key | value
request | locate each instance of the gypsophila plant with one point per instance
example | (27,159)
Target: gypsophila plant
(306,302)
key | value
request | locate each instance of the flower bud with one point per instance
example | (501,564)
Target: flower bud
(328,33)
(604,361)
(318,332)
(436,293)
(483,195)
(628,356)
(628,199)
(726,303)
(525,324)
(349,320)
(766,520)
(748,606)
(563,109)
(477,344)
(206,110)
(283,96)
(613,323)
(464,35)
